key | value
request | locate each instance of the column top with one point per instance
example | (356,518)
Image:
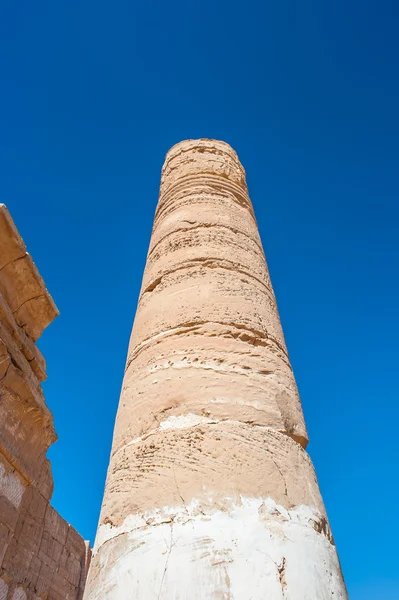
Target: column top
(202,143)
(199,157)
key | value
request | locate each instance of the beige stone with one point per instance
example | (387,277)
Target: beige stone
(210,492)
(20,282)
(34,539)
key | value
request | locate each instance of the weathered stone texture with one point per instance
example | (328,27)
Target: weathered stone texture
(210,492)
(41,555)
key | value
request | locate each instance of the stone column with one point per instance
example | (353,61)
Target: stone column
(210,493)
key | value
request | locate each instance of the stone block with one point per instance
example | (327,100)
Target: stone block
(74,568)
(75,544)
(5,537)
(8,513)
(35,565)
(45,483)
(55,525)
(17,560)
(46,574)
(30,536)
(60,585)
(38,506)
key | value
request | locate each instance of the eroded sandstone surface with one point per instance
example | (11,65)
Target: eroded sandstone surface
(41,555)
(210,492)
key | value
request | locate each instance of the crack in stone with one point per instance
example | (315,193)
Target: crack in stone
(282,476)
(211,263)
(167,559)
(207,180)
(255,337)
(7,369)
(13,260)
(281,574)
(28,300)
(204,226)
(180,495)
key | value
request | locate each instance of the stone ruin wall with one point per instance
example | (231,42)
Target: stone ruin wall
(41,555)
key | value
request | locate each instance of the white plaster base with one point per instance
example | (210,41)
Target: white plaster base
(252,551)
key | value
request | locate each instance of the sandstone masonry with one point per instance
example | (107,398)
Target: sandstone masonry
(41,555)
(210,492)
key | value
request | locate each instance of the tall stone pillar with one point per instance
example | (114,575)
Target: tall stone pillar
(210,493)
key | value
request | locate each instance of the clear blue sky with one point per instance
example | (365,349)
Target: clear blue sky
(94,93)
